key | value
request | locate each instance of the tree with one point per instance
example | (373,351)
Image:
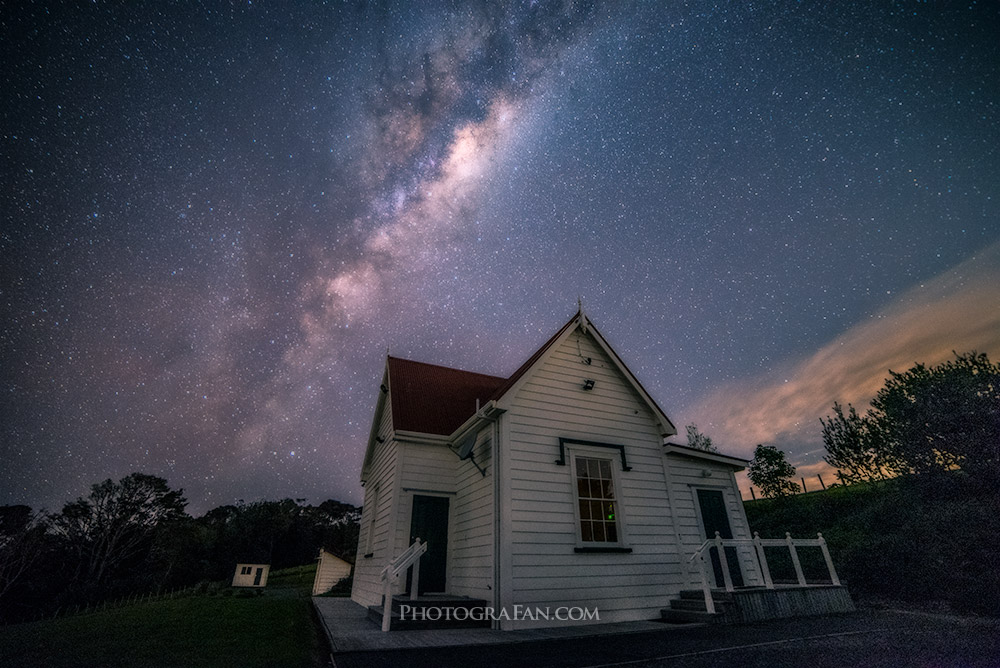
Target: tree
(771,473)
(115,524)
(857,448)
(924,420)
(22,539)
(944,417)
(698,440)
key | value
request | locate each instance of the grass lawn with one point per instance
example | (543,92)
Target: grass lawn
(273,629)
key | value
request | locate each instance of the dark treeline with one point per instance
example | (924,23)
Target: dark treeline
(134,537)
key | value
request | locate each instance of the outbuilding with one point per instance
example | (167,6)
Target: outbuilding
(330,570)
(251,575)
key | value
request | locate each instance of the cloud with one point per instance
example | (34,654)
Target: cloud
(958,310)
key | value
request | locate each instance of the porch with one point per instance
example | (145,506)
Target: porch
(349,629)
(722,598)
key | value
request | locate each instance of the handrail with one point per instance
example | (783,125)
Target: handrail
(758,544)
(411,557)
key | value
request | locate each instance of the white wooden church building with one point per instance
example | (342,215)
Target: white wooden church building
(553,487)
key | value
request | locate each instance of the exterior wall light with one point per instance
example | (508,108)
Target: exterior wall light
(588,384)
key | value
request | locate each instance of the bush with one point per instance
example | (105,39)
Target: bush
(904,539)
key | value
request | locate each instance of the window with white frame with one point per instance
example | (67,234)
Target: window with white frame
(599,522)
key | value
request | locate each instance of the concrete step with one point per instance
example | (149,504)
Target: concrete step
(671,616)
(717,595)
(435,601)
(695,604)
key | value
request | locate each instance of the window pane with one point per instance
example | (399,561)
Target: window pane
(585,510)
(605,468)
(609,489)
(586,531)
(608,512)
(596,510)
(583,488)
(598,532)
(582,470)
(612,532)
(596,490)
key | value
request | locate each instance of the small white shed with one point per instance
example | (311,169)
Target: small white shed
(251,575)
(330,570)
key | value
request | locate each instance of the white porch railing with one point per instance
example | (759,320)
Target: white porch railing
(703,560)
(391,573)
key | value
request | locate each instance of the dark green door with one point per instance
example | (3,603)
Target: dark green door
(714,517)
(429,523)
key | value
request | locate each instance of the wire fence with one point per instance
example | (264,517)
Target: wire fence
(115,604)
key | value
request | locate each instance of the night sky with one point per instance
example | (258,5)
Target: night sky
(217,217)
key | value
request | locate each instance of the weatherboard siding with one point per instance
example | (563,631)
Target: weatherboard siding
(470,563)
(367,587)
(545,569)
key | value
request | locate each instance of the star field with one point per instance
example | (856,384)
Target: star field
(217,218)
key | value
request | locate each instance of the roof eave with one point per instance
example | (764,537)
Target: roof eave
(488,413)
(376,421)
(738,463)
(420,438)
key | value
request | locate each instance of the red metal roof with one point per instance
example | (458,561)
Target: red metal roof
(433,399)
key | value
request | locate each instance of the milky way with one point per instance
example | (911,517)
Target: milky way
(218,218)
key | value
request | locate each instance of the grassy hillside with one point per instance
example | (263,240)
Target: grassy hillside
(228,628)
(907,539)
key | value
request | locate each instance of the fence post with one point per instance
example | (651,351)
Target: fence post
(795,559)
(765,569)
(829,561)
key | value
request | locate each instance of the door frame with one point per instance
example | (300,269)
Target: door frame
(413,492)
(729,518)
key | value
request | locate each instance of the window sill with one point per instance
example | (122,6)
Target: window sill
(604,550)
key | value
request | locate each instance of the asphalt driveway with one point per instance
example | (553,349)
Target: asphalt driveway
(867,638)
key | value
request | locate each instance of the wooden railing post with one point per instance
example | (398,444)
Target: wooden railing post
(762,558)
(415,582)
(724,562)
(706,590)
(829,561)
(387,604)
(795,559)
(409,558)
